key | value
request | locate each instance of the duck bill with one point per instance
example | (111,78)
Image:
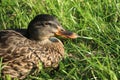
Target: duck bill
(67,34)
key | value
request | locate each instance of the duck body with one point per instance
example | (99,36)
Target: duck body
(20,55)
(22,50)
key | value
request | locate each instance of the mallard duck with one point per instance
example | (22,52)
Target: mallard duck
(21,52)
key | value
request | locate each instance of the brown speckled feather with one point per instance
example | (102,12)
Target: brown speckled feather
(20,54)
(23,49)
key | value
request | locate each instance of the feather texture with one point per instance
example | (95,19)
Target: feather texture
(20,54)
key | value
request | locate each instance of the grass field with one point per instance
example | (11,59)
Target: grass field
(93,56)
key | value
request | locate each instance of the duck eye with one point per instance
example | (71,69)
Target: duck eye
(48,24)
(51,24)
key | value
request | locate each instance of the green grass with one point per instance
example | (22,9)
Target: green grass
(93,56)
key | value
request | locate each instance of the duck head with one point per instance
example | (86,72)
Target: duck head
(44,26)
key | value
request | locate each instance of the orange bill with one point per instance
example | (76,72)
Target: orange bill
(66,34)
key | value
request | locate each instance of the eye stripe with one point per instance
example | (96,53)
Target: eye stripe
(43,23)
(52,24)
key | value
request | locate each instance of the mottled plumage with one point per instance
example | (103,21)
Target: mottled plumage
(22,51)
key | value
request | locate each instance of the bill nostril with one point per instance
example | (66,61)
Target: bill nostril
(67,33)
(62,30)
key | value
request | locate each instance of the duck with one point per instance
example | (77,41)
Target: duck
(21,51)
